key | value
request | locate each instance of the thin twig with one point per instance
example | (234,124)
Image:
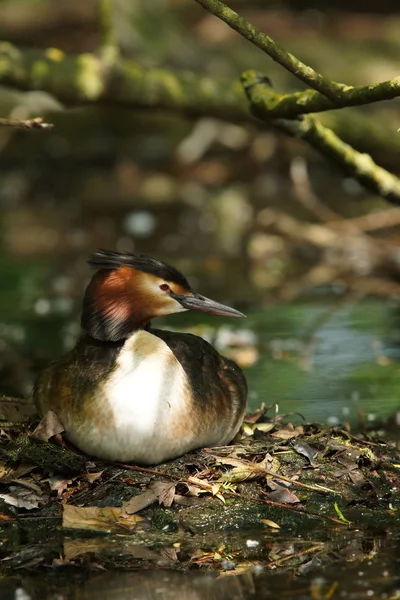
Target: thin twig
(328,88)
(36,123)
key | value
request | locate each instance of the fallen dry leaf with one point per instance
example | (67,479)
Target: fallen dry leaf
(91,477)
(10,474)
(205,487)
(305,450)
(271,524)
(193,490)
(48,426)
(94,518)
(59,484)
(245,470)
(165,492)
(264,427)
(23,498)
(139,502)
(288,432)
(161,491)
(283,495)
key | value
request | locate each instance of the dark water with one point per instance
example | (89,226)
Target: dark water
(329,371)
(353,566)
(329,362)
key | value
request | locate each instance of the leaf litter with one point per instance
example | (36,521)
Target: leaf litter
(276,474)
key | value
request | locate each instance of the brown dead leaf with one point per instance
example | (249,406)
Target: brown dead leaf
(271,524)
(193,490)
(348,458)
(59,484)
(357,478)
(264,427)
(288,431)
(23,498)
(91,477)
(245,470)
(48,427)
(165,492)
(283,495)
(94,518)
(161,491)
(9,474)
(306,450)
(205,486)
(139,502)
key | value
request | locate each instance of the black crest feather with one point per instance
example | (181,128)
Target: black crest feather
(107,259)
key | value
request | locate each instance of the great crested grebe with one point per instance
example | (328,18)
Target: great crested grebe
(128,392)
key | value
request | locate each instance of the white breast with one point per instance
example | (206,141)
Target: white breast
(148,398)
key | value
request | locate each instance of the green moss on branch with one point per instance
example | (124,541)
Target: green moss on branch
(288,106)
(328,88)
(87,79)
(358,165)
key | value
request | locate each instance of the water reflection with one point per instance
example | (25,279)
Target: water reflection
(369,570)
(346,366)
(153,585)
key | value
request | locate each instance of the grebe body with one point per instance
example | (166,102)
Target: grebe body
(131,393)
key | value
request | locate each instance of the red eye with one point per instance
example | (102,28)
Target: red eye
(164,287)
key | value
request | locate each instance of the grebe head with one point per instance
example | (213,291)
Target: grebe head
(130,289)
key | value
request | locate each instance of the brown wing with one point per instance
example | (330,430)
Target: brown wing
(218,384)
(73,378)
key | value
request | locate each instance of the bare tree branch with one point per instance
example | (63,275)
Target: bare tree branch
(78,79)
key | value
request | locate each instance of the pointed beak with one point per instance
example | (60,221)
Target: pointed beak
(203,304)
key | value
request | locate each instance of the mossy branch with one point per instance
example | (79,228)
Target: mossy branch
(81,79)
(289,106)
(325,95)
(358,165)
(315,80)
(267,105)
